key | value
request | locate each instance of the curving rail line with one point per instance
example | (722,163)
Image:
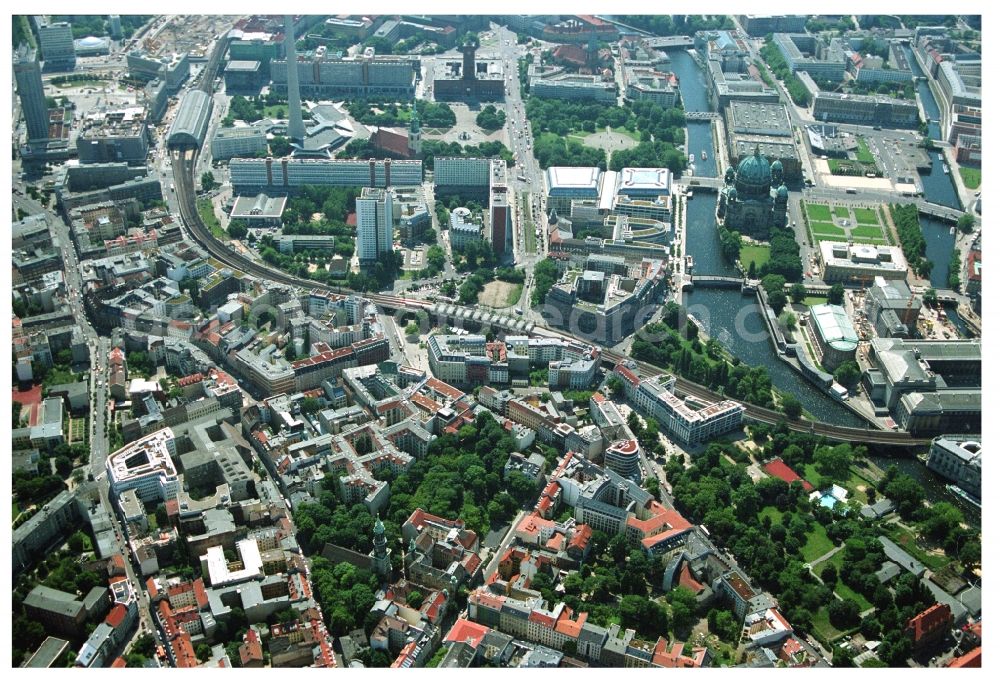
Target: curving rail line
(184,163)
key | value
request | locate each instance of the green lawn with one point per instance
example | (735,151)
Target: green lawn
(864,154)
(818,212)
(207,213)
(634,134)
(14,510)
(870,231)
(817,543)
(850,485)
(756,254)
(837,560)
(810,473)
(866,216)
(814,300)
(276,111)
(822,627)
(529,226)
(971,177)
(846,592)
(905,539)
(771,512)
(841,212)
(826,229)
(840,588)
(515,295)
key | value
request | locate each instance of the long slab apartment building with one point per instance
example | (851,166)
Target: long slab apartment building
(689,424)
(321,75)
(251,176)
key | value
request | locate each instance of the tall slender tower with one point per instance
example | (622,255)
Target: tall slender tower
(413,137)
(380,553)
(28,75)
(296,129)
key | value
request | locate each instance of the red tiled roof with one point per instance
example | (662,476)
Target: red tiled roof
(973,258)
(467,631)
(929,622)
(441,387)
(433,609)
(791,647)
(687,580)
(184,651)
(251,649)
(472,563)
(541,618)
(571,53)
(581,536)
(119,663)
(627,374)
(973,659)
(116,616)
(660,517)
(674,656)
(778,469)
(424,402)
(200,596)
(392,142)
(116,563)
(569,627)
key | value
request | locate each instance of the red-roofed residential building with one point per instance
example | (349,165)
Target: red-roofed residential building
(667,656)
(116,565)
(251,651)
(929,626)
(465,630)
(183,651)
(973,659)
(117,616)
(688,580)
(627,375)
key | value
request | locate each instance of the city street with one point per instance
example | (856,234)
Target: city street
(100,348)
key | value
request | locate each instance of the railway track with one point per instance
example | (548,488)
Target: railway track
(184,163)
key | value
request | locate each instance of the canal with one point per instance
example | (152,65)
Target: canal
(939,188)
(736,320)
(694,94)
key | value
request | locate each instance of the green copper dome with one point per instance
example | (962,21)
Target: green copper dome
(776,166)
(783,192)
(753,175)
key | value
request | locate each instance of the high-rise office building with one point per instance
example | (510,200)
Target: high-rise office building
(115,26)
(28,75)
(374,209)
(56,41)
(296,129)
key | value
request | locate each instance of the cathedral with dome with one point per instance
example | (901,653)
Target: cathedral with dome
(754,197)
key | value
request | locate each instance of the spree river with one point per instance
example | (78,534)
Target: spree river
(694,94)
(736,320)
